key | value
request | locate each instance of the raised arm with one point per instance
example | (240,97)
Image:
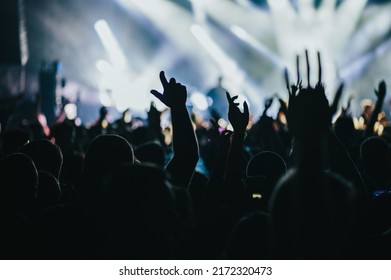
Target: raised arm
(239,122)
(233,184)
(185,146)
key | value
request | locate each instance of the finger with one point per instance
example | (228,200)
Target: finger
(157,94)
(232,102)
(172,81)
(286,76)
(163,79)
(320,69)
(382,86)
(293,90)
(245,109)
(298,68)
(308,68)
(231,99)
(228,96)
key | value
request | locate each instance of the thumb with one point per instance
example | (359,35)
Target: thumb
(157,94)
(245,109)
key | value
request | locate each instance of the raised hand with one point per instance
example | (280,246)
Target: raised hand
(174,94)
(308,107)
(238,119)
(184,141)
(381,92)
(293,89)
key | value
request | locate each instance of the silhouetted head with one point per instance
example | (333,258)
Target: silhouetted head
(344,129)
(249,240)
(139,189)
(64,134)
(104,154)
(311,215)
(102,112)
(46,156)
(49,192)
(268,164)
(265,126)
(151,152)
(263,171)
(138,215)
(309,113)
(19,182)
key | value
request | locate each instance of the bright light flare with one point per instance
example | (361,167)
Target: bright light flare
(105,99)
(71,111)
(222,123)
(127,117)
(124,92)
(199,101)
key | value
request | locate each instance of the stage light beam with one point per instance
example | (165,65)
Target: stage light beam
(247,38)
(110,44)
(227,65)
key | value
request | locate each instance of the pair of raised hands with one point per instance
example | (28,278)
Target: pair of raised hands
(175,94)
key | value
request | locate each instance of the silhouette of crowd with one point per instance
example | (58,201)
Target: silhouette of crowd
(308,184)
